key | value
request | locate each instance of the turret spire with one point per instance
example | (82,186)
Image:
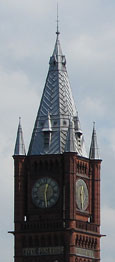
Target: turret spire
(94,150)
(19,146)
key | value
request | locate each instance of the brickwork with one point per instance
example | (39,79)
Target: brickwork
(62,233)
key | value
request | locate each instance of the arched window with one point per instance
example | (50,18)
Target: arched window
(36,241)
(40,166)
(35,167)
(47,140)
(30,241)
(49,240)
(56,240)
(42,241)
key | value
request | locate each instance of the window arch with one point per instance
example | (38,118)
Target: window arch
(35,167)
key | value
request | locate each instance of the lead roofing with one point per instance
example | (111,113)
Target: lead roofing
(57,127)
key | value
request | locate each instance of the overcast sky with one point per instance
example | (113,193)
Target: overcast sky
(27,38)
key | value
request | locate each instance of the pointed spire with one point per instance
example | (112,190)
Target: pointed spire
(57,60)
(57,56)
(94,150)
(79,137)
(19,146)
(57,51)
(71,144)
(57,99)
(78,130)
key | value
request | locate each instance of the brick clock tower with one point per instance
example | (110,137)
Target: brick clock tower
(57,186)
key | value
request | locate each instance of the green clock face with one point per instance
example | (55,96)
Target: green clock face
(81,195)
(45,192)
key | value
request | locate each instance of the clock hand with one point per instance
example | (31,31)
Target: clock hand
(45,194)
(82,196)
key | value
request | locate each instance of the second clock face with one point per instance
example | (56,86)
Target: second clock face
(81,195)
(45,192)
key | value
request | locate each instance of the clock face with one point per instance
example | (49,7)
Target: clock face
(81,195)
(45,192)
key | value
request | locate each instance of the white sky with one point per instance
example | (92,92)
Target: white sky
(27,37)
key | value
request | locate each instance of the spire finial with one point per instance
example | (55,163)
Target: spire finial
(93,124)
(19,120)
(57,21)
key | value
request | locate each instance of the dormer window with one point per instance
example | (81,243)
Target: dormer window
(47,129)
(47,140)
(63,60)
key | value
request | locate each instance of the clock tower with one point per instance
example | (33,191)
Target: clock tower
(57,186)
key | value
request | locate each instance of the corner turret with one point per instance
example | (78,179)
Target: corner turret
(94,150)
(19,146)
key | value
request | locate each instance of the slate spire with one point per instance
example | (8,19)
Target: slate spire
(94,150)
(56,109)
(19,146)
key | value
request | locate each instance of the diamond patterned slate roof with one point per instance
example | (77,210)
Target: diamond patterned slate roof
(57,108)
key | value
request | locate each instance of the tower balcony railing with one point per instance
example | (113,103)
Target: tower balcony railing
(86,226)
(41,226)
